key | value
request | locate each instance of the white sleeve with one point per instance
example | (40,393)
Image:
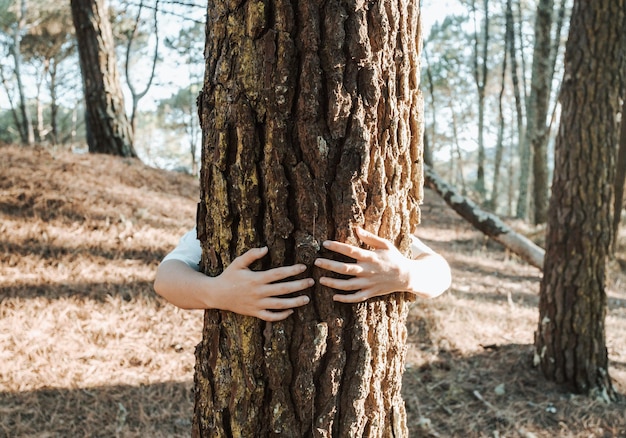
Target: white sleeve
(418,247)
(188,250)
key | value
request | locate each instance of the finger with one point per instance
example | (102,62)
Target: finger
(286,303)
(372,239)
(348,250)
(278,289)
(347,285)
(277,274)
(270,316)
(354,298)
(249,257)
(339,267)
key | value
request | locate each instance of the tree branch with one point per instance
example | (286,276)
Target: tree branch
(487,223)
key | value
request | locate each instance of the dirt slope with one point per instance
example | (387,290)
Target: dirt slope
(88,349)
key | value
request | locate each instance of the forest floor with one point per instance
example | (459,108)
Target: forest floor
(88,349)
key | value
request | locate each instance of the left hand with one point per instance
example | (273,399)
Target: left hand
(375,272)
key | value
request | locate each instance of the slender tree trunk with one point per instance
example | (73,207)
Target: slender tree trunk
(493,200)
(54,105)
(536,125)
(25,125)
(570,341)
(312,123)
(480,78)
(108,128)
(521,211)
(138,95)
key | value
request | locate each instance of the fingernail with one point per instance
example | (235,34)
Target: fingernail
(326,243)
(306,299)
(311,282)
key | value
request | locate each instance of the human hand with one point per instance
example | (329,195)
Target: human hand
(375,272)
(259,293)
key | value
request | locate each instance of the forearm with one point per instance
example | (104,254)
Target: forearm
(182,286)
(429,276)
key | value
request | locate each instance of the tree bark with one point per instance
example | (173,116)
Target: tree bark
(570,340)
(312,123)
(487,223)
(108,129)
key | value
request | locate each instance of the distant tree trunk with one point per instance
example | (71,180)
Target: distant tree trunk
(312,123)
(25,125)
(108,129)
(570,340)
(54,104)
(138,95)
(457,173)
(492,204)
(620,178)
(480,78)
(521,211)
(537,110)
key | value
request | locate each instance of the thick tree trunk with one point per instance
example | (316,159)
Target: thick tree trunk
(108,129)
(570,340)
(312,122)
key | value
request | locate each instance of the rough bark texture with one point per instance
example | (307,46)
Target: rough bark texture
(108,128)
(312,122)
(570,341)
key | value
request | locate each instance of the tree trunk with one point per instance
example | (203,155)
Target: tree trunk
(492,203)
(108,129)
(312,123)
(521,210)
(570,341)
(480,78)
(27,133)
(536,127)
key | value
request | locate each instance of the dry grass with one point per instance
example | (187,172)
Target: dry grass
(87,348)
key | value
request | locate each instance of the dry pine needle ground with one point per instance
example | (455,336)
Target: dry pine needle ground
(88,349)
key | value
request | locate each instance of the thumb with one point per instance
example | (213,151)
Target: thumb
(372,239)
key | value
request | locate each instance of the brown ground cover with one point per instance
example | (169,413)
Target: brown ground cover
(88,349)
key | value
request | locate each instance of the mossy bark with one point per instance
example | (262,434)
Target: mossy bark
(312,124)
(570,341)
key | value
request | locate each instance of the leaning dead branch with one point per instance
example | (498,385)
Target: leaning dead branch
(487,223)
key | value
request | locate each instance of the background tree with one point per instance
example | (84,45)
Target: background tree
(48,43)
(480,78)
(108,128)
(312,123)
(570,340)
(17,28)
(137,95)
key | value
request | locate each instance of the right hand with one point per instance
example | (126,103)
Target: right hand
(259,293)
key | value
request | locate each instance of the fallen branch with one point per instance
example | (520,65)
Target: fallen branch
(487,223)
